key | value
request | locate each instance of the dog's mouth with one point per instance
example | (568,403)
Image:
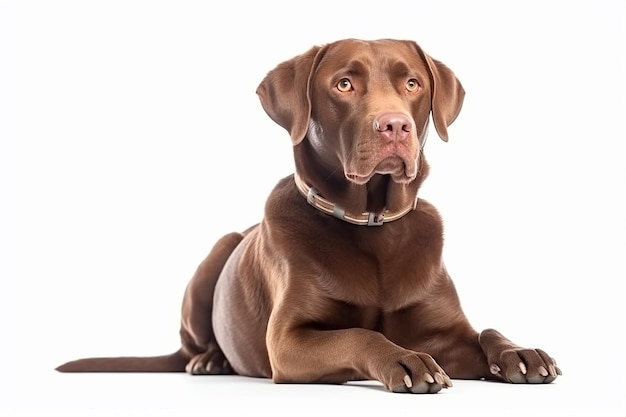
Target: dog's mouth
(401,171)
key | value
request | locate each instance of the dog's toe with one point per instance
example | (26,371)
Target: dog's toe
(209,363)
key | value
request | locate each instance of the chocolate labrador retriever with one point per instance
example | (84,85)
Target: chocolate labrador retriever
(343,279)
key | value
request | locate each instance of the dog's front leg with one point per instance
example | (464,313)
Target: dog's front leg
(302,355)
(511,363)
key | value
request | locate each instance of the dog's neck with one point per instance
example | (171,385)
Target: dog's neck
(366,218)
(378,201)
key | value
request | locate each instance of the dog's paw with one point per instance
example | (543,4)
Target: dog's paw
(415,373)
(514,364)
(524,366)
(211,362)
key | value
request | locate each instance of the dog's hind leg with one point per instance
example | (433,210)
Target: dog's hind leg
(198,339)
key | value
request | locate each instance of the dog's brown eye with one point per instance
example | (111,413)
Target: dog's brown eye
(344,85)
(412,85)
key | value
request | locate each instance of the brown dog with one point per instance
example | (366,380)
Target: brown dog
(343,279)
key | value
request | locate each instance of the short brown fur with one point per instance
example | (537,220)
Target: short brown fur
(306,297)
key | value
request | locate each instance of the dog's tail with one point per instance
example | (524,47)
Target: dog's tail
(174,362)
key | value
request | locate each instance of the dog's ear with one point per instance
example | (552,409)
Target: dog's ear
(447,94)
(284,93)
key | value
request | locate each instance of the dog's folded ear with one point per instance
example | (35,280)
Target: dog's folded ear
(284,92)
(447,94)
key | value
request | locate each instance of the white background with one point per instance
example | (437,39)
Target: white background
(131,138)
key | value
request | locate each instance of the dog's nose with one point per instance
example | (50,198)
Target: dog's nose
(393,126)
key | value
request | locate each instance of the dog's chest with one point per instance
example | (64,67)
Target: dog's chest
(384,282)
(386,268)
(387,315)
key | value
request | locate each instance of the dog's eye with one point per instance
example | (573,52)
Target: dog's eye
(344,85)
(412,85)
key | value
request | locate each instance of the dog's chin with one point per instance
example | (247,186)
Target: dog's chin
(395,167)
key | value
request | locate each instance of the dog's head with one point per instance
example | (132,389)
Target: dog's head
(365,104)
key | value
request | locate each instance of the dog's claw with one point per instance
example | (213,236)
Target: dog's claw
(439,378)
(494,369)
(522,368)
(554,370)
(430,383)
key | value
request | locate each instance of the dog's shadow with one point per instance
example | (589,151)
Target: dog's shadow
(359,384)
(371,385)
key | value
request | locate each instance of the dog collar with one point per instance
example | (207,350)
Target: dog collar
(363,219)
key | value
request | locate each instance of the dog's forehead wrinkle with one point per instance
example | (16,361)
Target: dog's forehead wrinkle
(337,69)
(359,66)
(403,70)
(359,56)
(372,64)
